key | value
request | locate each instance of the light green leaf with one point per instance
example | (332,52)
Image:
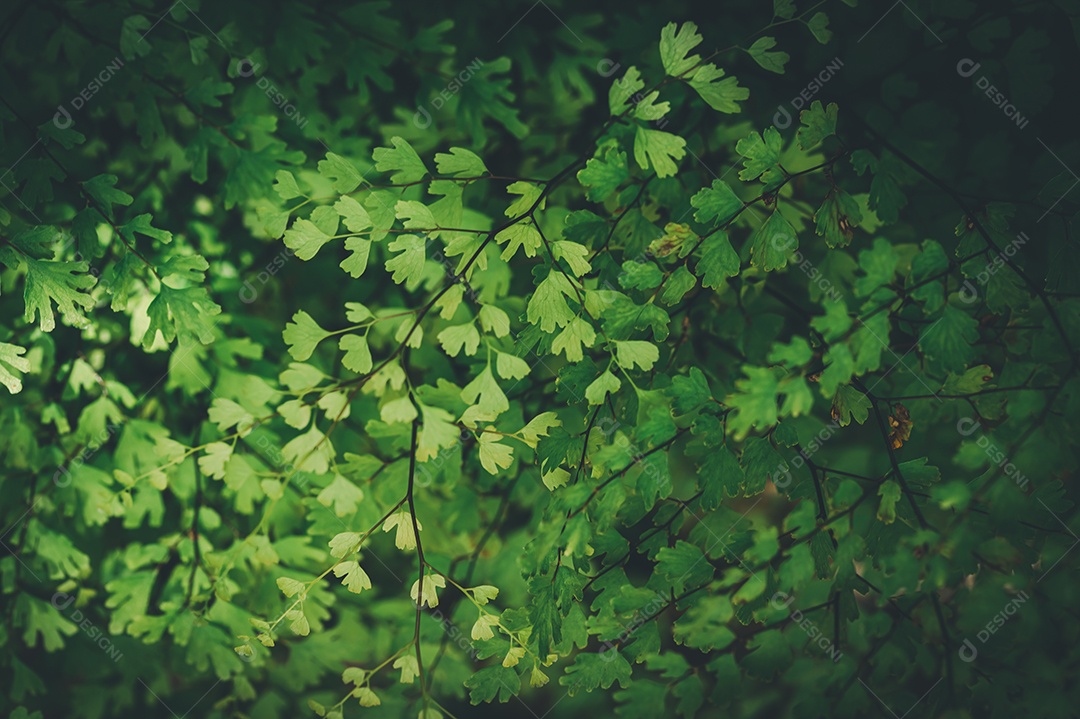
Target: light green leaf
(353,214)
(659,150)
(601,386)
(401,159)
(460,163)
(354,578)
(722,95)
(538,427)
(520,234)
(357,353)
(302,335)
(675,46)
(529,195)
(12,364)
(493,454)
(215,456)
(285,185)
(456,337)
(548,307)
(305,239)
(494,320)
(511,367)
(574,255)
(409,265)
(344,543)
(636,352)
(576,334)
(359,250)
(761,153)
(59,283)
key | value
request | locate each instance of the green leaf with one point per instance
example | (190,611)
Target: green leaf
(771,61)
(493,454)
(836,217)
(949,339)
(691,392)
(772,243)
(658,149)
(12,365)
(818,122)
(720,476)
(683,566)
(460,163)
(359,252)
(457,337)
(401,159)
(59,283)
(436,432)
(103,189)
(133,42)
(494,320)
(595,671)
(574,255)
(285,185)
(141,224)
(971,381)
(603,173)
(623,89)
(601,386)
(722,95)
(834,323)
(353,576)
(302,335)
(353,214)
(784,9)
(344,543)
(511,367)
(341,496)
(548,307)
(519,235)
(704,626)
(307,236)
(636,352)
(718,261)
(530,195)
(341,172)
(879,265)
(185,314)
(819,26)
(491,682)
(717,204)
(675,44)
(215,457)
(649,110)
(577,335)
(754,401)
(761,153)
(678,284)
(640,275)
(409,264)
(889,491)
(357,353)
(849,403)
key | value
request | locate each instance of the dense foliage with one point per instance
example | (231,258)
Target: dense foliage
(403,359)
